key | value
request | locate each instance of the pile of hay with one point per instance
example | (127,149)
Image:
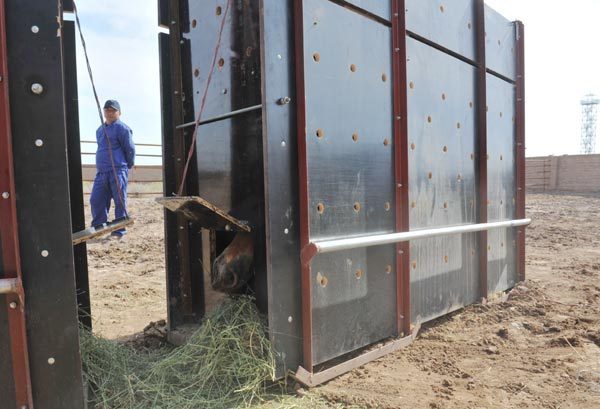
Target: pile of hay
(227,363)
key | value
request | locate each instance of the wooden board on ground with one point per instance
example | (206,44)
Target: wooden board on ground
(92,233)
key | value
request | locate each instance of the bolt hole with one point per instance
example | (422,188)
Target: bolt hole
(388,269)
(221,63)
(317,57)
(321,208)
(458,125)
(387,206)
(324,281)
(357,207)
(445,149)
(445,205)
(469,26)
(430,175)
(413,204)
(196,72)
(470,104)
(386,142)
(445,259)
(359,273)
(353,67)
(443,97)
(429,119)
(355,137)
(219,11)
(194,23)
(442,9)
(411,85)
(384,77)
(472,156)
(320,133)
(414,265)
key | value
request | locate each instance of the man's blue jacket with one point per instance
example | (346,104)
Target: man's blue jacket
(121,142)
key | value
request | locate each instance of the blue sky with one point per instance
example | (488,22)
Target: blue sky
(562,57)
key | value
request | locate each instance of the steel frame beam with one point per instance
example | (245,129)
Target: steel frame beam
(307,323)
(481,143)
(520,146)
(11,259)
(401,164)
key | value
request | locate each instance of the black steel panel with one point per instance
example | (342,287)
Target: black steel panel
(67,5)
(349,131)
(75,172)
(7,386)
(281,183)
(502,266)
(44,214)
(500,44)
(235,81)
(450,24)
(381,8)
(163,13)
(354,300)
(441,139)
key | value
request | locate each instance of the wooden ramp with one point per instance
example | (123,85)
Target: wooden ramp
(204,213)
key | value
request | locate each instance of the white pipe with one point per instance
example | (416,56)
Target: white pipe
(328,246)
(9,286)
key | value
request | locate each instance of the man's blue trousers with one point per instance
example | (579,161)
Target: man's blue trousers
(106,190)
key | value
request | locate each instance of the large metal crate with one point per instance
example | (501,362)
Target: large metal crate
(354,119)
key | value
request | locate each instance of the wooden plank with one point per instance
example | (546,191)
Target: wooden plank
(204,213)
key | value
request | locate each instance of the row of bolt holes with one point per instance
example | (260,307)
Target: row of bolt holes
(353,67)
(411,85)
(323,281)
(357,207)
(387,206)
(359,274)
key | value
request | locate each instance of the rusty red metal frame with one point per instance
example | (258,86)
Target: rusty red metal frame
(303,185)
(520,146)
(15,302)
(482,154)
(401,164)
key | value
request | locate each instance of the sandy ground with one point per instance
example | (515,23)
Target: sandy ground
(540,349)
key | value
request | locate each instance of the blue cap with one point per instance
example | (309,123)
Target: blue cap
(114,104)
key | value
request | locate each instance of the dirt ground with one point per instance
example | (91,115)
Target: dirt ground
(539,349)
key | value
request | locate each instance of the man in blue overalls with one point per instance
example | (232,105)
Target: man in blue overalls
(114,157)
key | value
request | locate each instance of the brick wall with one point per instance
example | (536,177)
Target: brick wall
(569,173)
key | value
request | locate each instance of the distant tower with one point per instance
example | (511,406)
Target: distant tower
(589,120)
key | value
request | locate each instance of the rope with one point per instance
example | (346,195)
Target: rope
(89,68)
(203,103)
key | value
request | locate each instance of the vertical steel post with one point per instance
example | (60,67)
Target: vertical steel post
(303,185)
(15,303)
(401,164)
(520,146)
(481,143)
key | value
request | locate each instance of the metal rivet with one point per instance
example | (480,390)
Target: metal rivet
(35,29)
(5,195)
(13,305)
(51,361)
(39,143)
(37,88)
(283,144)
(290,319)
(284,101)
(286,231)
(227,227)
(224,92)
(45,253)
(279,57)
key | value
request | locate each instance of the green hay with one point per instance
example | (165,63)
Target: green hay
(226,364)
